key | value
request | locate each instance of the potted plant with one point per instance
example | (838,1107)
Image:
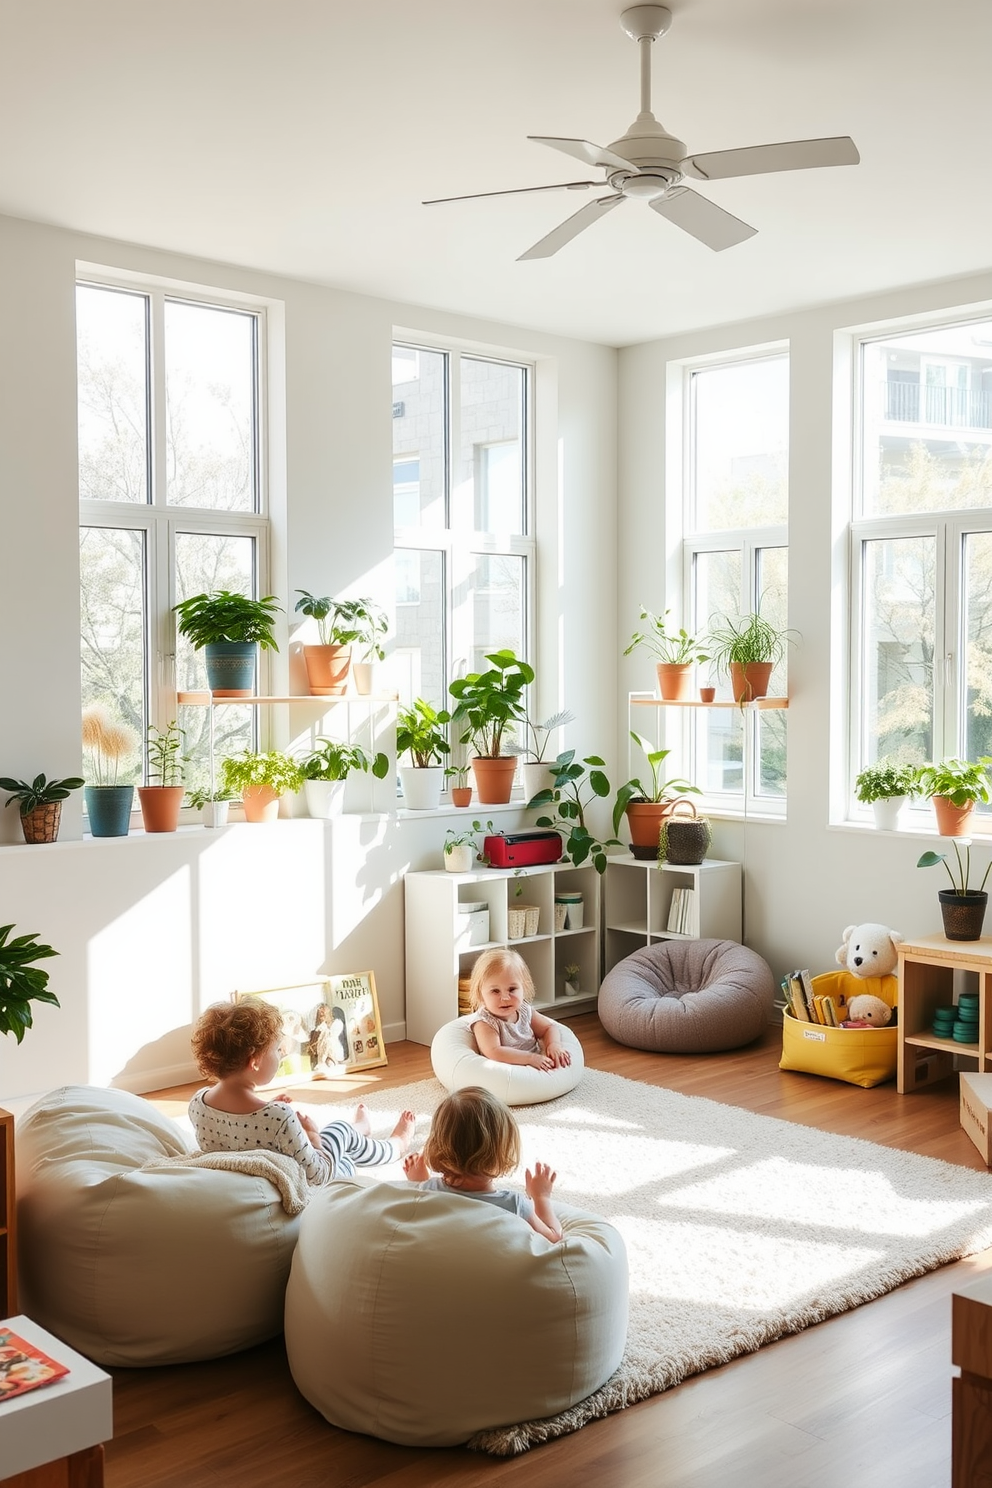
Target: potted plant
(535,768)
(577,785)
(39,804)
(747,649)
(213,804)
(108,742)
(571,974)
(461,791)
(162,798)
(370,625)
(421,733)
(21,983)
(955,787)
(647,806)
(489,704)
(460,850)
(676,652)
(962,908)
(261,780)
(884,787)
(228,628)
(340,623)
(325,770)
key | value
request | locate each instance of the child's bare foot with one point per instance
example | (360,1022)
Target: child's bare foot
(402,1132)
(361,1120)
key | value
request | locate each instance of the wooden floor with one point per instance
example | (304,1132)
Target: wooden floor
(862,1401)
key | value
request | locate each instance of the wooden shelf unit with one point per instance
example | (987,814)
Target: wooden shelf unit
(759,705)
(638,896)
(435,961)
(8,1216)
(927,967)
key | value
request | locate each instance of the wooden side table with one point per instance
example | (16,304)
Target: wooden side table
(52,1437)
(927,964)
(971,1418)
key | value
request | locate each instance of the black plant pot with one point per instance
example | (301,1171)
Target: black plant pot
(963,914)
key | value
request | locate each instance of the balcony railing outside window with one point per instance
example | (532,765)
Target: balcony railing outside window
(949,407)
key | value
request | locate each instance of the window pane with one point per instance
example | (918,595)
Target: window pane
(771,728)
(898,640)
(488,492)
(207,561)
(112,396)
(210,425)
(978,630)
(740,445)
(418,656)
(112,605)
(420,407)
(719,738)
(927,421)
(494,590)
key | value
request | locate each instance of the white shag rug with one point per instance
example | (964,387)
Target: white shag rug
(739,1228)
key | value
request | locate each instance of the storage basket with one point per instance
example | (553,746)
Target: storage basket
(523,921)
(859,1056)
(684,840)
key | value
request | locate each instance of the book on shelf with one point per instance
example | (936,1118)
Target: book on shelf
(675,910)
(24,1367)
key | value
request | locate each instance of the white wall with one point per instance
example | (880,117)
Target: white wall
(805,878)
(149,930)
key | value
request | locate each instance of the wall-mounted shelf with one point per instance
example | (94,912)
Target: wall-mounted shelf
(209,699)
(757,704)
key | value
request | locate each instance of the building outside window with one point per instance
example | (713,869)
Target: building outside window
(171,498)
(735,556)
(921,673)
(462,514)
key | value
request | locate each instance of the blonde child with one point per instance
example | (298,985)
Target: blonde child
(505,1026)
(474,1139)
(239,1047)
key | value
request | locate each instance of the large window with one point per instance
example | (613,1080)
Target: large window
(461,506)
(736,560)
(171,499)
(922,547)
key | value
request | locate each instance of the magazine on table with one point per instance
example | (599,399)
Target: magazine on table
(24,1367)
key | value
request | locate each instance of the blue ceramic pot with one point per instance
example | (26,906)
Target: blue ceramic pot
(231,667)
(109,809)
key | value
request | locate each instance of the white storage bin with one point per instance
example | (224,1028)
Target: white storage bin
(473,925)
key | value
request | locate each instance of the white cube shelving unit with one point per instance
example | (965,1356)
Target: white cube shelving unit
(435,961)
(638,897)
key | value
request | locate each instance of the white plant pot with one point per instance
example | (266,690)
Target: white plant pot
(363,676)
(459,859)
(887,813)
(422,787)
(572,989)
(215,813)
(324,798)
(534,777)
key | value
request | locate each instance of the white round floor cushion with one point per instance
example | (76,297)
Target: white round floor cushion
(136,1267)
(422,1317)
(457,1063)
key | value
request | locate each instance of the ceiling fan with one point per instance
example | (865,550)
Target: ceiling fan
(649,163)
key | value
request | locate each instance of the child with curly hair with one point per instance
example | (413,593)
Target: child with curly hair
(238,1045)
(505,1026)
(474,1139)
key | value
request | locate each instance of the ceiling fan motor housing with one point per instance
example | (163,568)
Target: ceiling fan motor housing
(655,157)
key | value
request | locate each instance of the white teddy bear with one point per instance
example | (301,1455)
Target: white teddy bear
(869,950)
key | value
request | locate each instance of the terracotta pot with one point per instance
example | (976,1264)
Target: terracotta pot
(494,778)
(461,795)
(42,824)
(707,694)
(644,820)
(327,669)
(952,821)
(750,681)
(261,803)
(160,806)
(674,681)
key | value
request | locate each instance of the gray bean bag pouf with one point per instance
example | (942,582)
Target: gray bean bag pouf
(687,997)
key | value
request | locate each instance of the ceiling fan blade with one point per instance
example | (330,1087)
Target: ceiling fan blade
(583,150)
(702,218)
(571,227)
(514,191)
(755,160)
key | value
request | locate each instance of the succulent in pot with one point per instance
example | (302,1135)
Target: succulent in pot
(261,779)
(676,651)
(39,803)
(229,628)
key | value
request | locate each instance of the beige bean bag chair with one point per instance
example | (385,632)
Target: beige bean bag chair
(458,1063)
(687,997)
(129,1255)
(424,1317)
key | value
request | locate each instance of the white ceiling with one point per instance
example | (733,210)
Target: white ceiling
(300,136)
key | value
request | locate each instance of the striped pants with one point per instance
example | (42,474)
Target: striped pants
(349,1149)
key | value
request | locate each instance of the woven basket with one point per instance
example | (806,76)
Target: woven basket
(522,921)
(683,840)
(42,824)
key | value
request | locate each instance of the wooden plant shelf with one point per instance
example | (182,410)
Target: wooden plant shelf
(208,700)
(758,704)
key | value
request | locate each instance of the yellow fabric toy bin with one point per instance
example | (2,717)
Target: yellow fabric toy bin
(861,1056)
